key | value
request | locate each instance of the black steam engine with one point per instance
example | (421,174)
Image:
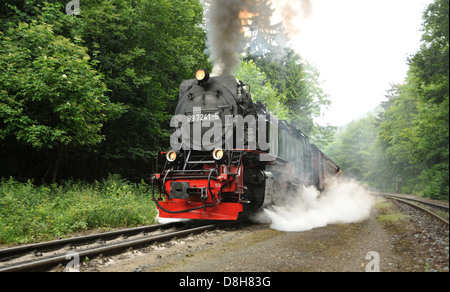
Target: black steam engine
(230,155)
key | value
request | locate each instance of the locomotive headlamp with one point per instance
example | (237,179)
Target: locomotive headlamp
(202,76)
(218,154)
(171,156)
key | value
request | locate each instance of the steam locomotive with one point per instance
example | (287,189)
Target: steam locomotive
(230,156)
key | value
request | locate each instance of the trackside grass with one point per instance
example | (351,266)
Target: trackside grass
(30,213)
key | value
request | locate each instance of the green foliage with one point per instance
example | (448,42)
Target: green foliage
(416,128)
(411,151)
(103,85)
(32,213)
(98,91)
(50,95)
(297,83)
(145,49)
(261,89)
(266,38)
(431,63)
(353,147)
(430,132)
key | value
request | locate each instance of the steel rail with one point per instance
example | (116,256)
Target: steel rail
(403,200)
(43,264)
(13,252)
(428,203)
(434,205)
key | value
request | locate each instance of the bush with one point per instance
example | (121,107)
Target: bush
(435,182)
(31,213)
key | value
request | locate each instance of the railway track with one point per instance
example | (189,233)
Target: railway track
(417,202)
(42,256)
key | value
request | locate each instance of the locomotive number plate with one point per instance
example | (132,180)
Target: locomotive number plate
(203,117)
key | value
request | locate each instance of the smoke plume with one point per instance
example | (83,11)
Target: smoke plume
(225,33)
(341,203)
(292,12)
(226,20)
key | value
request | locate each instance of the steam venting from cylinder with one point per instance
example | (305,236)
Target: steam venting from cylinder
(226,22)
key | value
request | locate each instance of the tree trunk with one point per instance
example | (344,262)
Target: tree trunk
(56,165)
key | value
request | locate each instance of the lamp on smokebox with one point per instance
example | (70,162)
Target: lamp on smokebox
(202,76)
(171,156)
(218,154)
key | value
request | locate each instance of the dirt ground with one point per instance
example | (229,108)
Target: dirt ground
(372,245)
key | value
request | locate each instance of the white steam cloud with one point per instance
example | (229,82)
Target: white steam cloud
(341,203)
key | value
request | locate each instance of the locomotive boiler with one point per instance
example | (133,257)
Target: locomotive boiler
(230,156)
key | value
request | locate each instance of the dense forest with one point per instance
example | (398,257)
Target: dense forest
(90,93)
(404,145)
(86,95)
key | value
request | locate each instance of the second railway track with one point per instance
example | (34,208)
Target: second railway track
(416,202)
(42,256)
